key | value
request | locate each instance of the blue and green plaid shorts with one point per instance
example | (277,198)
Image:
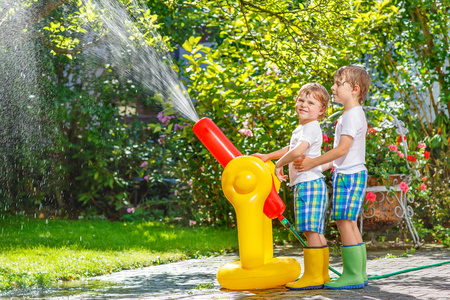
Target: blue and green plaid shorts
(348,195)
(310,199)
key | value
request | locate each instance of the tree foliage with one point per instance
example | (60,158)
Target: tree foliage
(263,52)
(89,151)
(408,49)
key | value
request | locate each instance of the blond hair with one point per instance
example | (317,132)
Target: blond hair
(318,91)
(355,75)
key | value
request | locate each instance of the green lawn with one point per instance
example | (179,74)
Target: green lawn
(39,252)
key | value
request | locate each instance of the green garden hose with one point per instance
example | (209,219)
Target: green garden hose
(286,224)
(408,270)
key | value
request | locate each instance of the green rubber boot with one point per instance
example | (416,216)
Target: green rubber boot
(351,277)
(312,278)
(326,263)
(364,263)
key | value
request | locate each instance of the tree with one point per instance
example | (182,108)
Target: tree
(264,51)
(408,41)
(248,85)
(78,95)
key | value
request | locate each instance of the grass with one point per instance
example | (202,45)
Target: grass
(409,252)
(41,252)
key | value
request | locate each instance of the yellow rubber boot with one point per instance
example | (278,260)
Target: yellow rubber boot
(312,278)
(326,263)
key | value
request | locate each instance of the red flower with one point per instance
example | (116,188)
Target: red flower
(422,145)
(326,139)
(371,197)
(411,158)
(404,187)
(393,148)
(399,140)
(372,131)
(426,154)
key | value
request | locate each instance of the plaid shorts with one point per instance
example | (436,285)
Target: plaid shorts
(348,195)
(310,199)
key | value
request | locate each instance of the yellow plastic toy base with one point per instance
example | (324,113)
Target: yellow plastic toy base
(247,182)
(276,272)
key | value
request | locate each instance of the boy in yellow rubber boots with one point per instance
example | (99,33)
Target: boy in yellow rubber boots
(309,187)
(351,84)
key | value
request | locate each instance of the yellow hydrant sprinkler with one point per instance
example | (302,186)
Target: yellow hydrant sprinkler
(249,185)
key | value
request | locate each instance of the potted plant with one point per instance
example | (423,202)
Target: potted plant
(395,173)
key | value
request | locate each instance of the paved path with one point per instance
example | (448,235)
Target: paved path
(196,279)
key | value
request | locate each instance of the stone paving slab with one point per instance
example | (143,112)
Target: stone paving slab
(196,279)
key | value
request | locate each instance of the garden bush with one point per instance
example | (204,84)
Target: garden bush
(245,83)
(95,150)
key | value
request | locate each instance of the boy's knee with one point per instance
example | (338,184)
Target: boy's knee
(342,223)
(311,233)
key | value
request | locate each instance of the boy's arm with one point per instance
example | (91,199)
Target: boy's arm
(327,166)
(292,155)
(342,149)
(272,155)
(289,157)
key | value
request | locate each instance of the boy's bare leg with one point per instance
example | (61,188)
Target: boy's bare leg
(313,239)
(347,232)
(323,241)
(357,233)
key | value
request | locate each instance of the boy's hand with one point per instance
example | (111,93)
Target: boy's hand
(280,175)
(263,157)
(298,163)
(304,164)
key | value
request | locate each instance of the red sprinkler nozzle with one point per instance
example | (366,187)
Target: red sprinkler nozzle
(274,206)
(224,151)
(215,141)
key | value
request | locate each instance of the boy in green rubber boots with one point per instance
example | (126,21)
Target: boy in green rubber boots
(309,187)
(351,84)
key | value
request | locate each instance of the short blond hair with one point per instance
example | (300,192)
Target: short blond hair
(318,91)
(355,75)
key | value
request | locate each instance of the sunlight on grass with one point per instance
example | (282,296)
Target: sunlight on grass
(43,265)
(38,252)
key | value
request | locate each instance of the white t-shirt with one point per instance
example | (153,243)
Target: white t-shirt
(354,124)
(312,134)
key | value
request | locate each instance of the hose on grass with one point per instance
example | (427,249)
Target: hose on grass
(286,224)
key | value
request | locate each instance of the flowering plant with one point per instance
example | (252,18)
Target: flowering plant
(390,152)
(387,153)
